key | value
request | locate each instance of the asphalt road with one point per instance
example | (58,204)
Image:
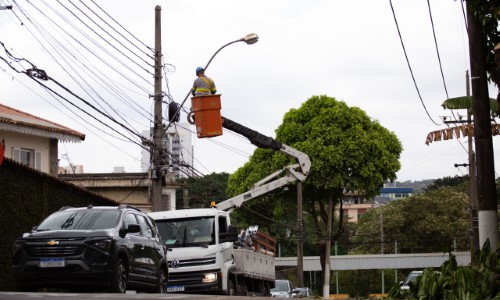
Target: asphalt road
(127,296)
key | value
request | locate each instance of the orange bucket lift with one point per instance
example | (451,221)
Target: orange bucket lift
(207,116)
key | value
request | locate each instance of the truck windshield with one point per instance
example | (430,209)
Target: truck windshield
(187,232)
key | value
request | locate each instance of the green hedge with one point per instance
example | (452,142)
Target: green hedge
(26,198)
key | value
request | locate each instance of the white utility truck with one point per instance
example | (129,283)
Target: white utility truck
(202,256)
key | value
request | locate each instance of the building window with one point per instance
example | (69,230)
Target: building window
(28,157)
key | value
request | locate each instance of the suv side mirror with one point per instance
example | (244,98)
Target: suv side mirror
(230,236)
(132,228)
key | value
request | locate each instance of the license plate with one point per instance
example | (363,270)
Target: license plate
(52,262)
(175,288)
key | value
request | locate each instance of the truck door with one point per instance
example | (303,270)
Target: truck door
(222,224)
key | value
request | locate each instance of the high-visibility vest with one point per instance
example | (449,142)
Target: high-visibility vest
(204,86)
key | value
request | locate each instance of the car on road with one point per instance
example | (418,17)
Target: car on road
(282,289)
(410,279)
(94,248)
(302,292)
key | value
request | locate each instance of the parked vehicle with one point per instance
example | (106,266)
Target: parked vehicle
(302,292)
(282,289)
(410,279)
(92,248)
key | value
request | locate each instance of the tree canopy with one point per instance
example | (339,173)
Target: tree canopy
(427,222)
(348,150)
(204,189)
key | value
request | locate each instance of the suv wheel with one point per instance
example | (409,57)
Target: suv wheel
(119,281)
(161,284)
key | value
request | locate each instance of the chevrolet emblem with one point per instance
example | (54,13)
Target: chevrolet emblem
(52,243)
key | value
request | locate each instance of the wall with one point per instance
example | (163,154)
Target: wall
(27,197)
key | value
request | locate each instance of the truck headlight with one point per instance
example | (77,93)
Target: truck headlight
(209,277)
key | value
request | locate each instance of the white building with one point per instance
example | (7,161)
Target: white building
(177,142)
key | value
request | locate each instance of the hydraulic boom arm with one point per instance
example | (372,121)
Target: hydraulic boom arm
(292,173)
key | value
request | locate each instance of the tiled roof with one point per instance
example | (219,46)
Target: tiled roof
(15,120)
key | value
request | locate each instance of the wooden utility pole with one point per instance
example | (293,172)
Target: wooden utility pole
(156,174)
(487,203)
(300,238)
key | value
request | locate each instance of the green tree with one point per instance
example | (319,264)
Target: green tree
(458,183)
(427,222)
(349,152)
(204,189)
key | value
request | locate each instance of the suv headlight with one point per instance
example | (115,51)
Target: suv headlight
(102,244)
(18,245)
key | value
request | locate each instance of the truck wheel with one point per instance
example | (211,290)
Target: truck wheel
(120,277)
(264,290)
(231,288)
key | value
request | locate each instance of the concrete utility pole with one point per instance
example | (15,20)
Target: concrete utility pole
(487,203)
(472,177)
(328,247)
(300,238)
(156,175)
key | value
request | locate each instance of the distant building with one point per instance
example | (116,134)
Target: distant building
(393,193)
(177,142)
(73,169)
(126,188)
(354,206)
(32,140)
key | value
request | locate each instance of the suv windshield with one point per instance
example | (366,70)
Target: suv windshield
(187,232)
(80,220)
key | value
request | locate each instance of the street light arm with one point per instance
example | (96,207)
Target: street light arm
(249,39)
(240,40)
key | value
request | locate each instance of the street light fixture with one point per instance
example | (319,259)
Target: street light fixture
(251,38)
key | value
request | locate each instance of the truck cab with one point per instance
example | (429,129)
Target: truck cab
(200,243)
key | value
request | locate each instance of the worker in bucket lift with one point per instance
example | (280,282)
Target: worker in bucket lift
(203,85)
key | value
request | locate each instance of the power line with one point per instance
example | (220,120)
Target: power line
(441,69)
(104,39)
(120,115)
(409,66)
(150,48)
(92,52)
(37,74)
(437,49)
(86,65)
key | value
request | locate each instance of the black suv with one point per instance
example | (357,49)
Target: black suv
(92,248)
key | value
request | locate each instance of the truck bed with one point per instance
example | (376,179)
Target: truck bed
(253,264)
